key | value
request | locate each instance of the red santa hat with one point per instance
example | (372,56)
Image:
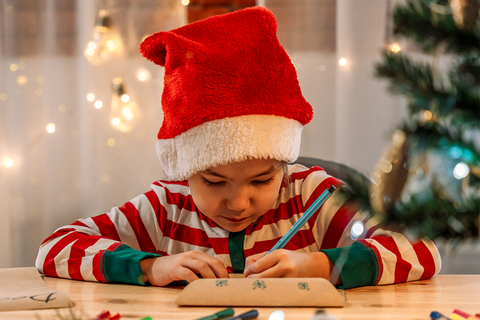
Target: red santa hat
(230,93)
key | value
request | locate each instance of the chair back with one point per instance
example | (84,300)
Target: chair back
(335,169)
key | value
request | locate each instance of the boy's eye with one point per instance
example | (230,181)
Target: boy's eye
(262,182)
(212,184)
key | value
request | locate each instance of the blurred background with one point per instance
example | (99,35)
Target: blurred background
(80,107)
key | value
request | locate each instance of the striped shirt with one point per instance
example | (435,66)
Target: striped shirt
(165,221)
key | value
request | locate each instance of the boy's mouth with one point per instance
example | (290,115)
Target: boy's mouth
(236,220)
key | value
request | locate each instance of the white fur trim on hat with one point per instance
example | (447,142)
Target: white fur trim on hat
(227,140)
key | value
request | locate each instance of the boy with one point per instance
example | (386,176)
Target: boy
(233,116)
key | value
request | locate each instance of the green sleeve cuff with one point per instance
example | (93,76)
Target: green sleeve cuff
(123,265)
(357,264)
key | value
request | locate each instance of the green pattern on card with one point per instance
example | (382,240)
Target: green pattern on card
(303,286)
(259,284)
(221,283)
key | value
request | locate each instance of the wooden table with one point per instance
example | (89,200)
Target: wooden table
(413,300)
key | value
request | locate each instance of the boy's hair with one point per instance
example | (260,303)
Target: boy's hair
(230,94)
(286,175)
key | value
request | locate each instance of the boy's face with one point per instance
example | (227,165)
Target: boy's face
(236,194)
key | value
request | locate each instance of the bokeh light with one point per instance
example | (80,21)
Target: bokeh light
(461,170)
(50,128)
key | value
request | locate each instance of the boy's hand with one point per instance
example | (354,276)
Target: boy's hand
(183,266)
(290,264)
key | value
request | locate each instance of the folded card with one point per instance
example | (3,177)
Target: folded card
(267,292)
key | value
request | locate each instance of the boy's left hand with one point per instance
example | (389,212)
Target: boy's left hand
(284,263)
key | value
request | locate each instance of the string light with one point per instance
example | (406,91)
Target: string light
(461,170)
(185,2)
(342,62)
(143,74)
(387,166)
(427,114)
(395,48)
(7,162)
(111,142)
(50,128)
(98,104)
(104,42)
(21,80)
(61,108)
(90,97)
(13,67)
(455,152)
(3,97)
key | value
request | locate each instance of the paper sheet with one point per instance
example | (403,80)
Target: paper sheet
(271,292)
(24,289)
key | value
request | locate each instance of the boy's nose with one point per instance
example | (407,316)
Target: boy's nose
(238,201)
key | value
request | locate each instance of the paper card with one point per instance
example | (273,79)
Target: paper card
(236,275)
(271,292)
(24,289)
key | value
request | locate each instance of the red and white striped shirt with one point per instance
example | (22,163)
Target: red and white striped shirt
(165,221)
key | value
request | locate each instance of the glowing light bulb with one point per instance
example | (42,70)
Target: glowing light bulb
(50,128)
(342,62)
(461,170)
(7,162)
(124,111)
(185,2)
(105,40)
(90,97)
(98,104)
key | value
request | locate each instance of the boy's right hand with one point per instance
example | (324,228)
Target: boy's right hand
(183,266)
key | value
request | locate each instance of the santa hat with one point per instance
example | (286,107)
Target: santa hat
(230,93)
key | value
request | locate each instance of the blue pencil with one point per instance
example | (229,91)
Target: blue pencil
(303,219)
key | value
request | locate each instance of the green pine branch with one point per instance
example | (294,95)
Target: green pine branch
(426,89)
(429,29)
(429,214)
(433,135)
(453,123)
(433,215)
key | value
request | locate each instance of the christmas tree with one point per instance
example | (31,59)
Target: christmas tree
(428,182)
